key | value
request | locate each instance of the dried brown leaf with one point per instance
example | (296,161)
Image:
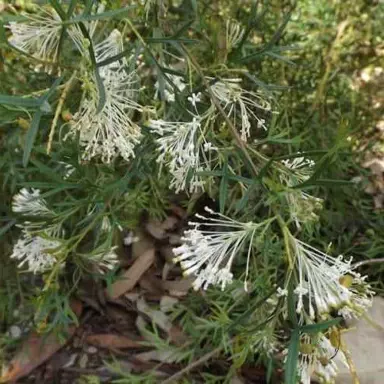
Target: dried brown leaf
(178,211)
(36,350)
(144,243)
(112,341)
(175,333)
(159,229)
(178,287)
(130,277)
(167,252)
(151,283)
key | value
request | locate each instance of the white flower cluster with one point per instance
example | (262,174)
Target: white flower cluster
(110,132)
(39,253)
(326,283)
(184,150)
(103,260)
(40,244)
(317,359)
(234,34)
(209,249)
(302,206)
(30,203)
(172,82)
(39,36)
(36,247)
(240,104)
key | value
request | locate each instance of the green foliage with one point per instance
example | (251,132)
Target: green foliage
(300,57)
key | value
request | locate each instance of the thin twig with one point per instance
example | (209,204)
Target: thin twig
(58,111)
(365,262)
(193,365)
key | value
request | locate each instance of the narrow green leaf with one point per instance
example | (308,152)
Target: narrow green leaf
(319,327)
(112,59)
(247,314)
(172,72)
(51,173)
(100,16)
(183,28)
(270,370)
(51,90)
(242,203)
(291,300)
(99,81)
(265,86)
(88,6)
(19,101)
(325,183)
(290,374)
(162,40)
(274,40)
(31,136)
(43,184)
(5,228)
(237,178)
(223,187)
(58,8)
(281,58)
(71,8)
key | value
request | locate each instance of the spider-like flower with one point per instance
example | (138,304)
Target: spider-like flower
(298,163)
(104,260)
(172,83)
(317,359)
(75,33)
(209,249)
(302,206)
(30,203)
(184,150)
(240,104)
(110,47)
(110,132)
(234,34)
(36,251)
(39,36)
(326,283)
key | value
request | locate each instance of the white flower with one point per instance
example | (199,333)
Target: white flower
(208,146)
(282,292)
(317,358)
(298,163)
(39,36)
(169,90)
(75,33)
(239,103)
(302,206)
(106,224)
(195,98)
(104,260)
(30,203)
(181,147)
(234,34)
(130,239)
(326,283)
(68,169)
(208,250)
(110,132)
(38,252)
(110,47)
(264,341)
